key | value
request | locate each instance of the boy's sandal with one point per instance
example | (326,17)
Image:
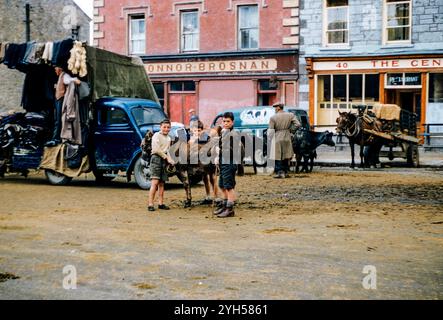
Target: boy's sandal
(150,208)
(163,207)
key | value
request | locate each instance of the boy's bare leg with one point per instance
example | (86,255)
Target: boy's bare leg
(152,191)
(207,186)
(161,192)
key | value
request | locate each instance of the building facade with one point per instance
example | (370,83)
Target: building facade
(367,51)
(208,55)
(48,21)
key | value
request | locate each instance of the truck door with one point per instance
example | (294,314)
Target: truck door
(115,139)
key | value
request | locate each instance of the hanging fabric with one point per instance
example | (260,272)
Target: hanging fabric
(77,61)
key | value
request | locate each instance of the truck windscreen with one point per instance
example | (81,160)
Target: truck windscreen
(146,115)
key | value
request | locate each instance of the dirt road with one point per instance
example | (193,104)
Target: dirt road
(306,237)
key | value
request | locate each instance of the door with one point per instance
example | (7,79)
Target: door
(115,139)
(179,106)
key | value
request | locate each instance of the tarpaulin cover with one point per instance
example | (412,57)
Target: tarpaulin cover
(114,75)
(53,159)
(387,111)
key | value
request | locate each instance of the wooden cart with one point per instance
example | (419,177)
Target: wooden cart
(399,133)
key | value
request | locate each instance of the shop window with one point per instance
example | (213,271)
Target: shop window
(348,90)
(160,91)
(137,34)
(248,27)
(337,22)
(190,32)
(436,87)
(397,21)
(372,88)
(182,86)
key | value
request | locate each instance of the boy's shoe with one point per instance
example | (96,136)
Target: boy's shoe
(278,176)
(219,210)
(163,207)
(228,212)
(151,208)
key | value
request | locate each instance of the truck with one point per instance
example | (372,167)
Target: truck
(120,112)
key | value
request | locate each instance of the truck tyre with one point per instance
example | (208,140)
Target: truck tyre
(56,178)
(142,175)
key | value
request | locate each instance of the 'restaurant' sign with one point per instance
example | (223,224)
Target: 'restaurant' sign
(379,64)
(257,65)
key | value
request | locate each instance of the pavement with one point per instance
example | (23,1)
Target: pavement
(341,156)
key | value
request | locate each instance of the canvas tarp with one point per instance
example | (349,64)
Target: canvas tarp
(387,111)
(53,159)
(114,75)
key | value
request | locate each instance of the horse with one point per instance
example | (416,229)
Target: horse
(353,126)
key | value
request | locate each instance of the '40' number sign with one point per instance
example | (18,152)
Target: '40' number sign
(342,65)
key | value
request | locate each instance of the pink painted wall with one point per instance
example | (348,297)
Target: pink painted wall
(217,27)
(218,96)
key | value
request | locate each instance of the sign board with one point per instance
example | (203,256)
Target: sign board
(378,64)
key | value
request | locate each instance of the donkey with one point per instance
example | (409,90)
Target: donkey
(305,143)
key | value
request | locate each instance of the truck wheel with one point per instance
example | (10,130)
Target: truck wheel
(412,156)
(56,178)
(142,175)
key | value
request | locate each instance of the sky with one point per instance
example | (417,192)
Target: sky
(86,5)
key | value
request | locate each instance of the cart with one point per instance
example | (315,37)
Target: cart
(398,133)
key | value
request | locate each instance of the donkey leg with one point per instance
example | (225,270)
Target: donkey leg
(362,157)
(183,176)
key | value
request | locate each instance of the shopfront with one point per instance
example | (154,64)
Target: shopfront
(415,83)
(212,83)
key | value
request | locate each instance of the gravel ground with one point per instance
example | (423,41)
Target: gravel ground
(307,237)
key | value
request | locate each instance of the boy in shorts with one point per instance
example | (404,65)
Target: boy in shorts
(229,145)
(161,142)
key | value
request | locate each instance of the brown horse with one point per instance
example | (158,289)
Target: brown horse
(353,126)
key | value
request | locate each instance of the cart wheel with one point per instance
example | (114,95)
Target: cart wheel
(412,156)
(56,178)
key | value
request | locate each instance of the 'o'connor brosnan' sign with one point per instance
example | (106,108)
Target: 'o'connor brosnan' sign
(378,64)
(256,65)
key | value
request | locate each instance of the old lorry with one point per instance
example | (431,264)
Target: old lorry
(121,107)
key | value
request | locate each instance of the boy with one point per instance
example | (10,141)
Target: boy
(229,146)
(161,143)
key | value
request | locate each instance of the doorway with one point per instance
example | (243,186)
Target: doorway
(407,99)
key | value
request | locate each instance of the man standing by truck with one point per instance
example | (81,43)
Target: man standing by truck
(280,125)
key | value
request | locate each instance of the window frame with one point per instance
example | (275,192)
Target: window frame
(325,26)
(181,30)
(239,29)
(131,18)
(386,27)
(403,85)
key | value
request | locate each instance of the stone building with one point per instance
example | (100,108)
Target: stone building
(209,55)
(366,51)
(49,20)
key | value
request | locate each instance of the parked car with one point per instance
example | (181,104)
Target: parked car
(254,121)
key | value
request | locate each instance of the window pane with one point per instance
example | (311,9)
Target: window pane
(336,3)
(397,34)
(398,10)
(436,87)
(137,39)
(412,79)
(339,87)
(176,86)
(113,116)
(372,84)
(324,88)
(189,31)
(248,27)
(189,86)
(338,37)
(337,18)
(355,87)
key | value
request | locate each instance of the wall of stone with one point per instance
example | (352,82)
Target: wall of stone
(48,18)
